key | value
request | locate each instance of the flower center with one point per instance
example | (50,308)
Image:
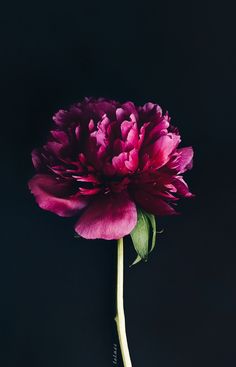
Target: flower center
(102,184)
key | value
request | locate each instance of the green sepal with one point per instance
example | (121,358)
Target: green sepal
(136,261)
(140,236)
(152,220)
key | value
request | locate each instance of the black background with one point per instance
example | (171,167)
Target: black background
(57,292)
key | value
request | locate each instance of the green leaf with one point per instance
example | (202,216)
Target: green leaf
(152,220)
(140,236)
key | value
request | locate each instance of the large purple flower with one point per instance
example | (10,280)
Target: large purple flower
(104,160)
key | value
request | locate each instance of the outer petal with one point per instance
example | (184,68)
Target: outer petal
(185,159)
(153,204)
(182,187)
(109,217)
(36,159)
(130,108)
(97,108)
(64,118)
(54,196)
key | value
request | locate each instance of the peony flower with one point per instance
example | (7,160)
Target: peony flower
(116,166)
(104,160)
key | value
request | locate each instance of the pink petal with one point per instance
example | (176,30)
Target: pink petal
(132,137)
(153,204)
(132,163)
(91,125)
(182,187)
(130,108)
(157,130)
(147,107)
(125,127)
(100,107)
(64,118)
(60,136)
(77,132)
(36,159)
(54,196)
(185,159)
(120,114)
(118,163)
(109,217)
(159,152)
(54,148)
(142,133)
(126,162)
(87,178)
(93,191)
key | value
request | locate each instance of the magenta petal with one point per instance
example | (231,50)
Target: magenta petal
(54,196)
(185,159)
(125,127)
(129,108)
(109,217)
(147,107)
(64,118)
(160,151)
(153,204)
(118,163)
(182,187)
(132,137)
(54,147)
(120,114)
(155,131)
(132,163)
(60,136)
(36,159)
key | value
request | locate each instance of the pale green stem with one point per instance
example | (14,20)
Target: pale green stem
(120,315)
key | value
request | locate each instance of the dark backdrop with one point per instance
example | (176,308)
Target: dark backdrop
(57,293)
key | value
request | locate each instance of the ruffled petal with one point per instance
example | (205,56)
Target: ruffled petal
(156,130)
(182,187)
(54,196)
(159,152)
(109,217)
(64,118)
(185,160)
(118,163)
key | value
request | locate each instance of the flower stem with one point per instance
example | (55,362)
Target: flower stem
(120,315)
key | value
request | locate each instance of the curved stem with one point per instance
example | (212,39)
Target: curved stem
(120,315)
